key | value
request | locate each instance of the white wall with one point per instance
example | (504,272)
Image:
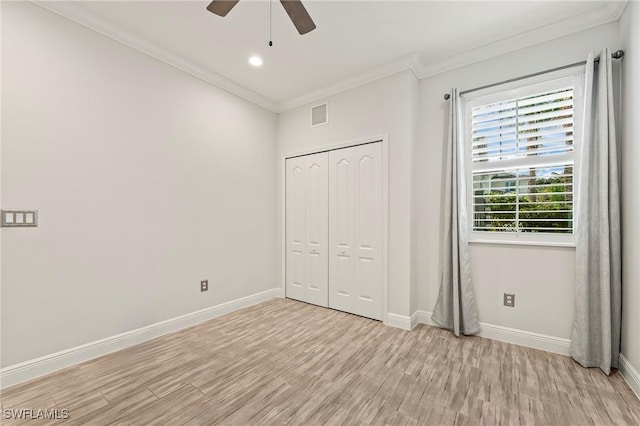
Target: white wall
(382,106)
(630,134)
(146,181)
(541,277)
(415,167)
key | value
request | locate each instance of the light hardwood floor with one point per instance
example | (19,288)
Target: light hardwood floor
(286,362)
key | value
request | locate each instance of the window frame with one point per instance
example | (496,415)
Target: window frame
(573,76)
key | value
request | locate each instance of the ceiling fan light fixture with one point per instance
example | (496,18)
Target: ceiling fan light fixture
(295,9)
(256,61)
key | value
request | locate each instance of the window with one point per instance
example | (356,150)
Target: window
(521,141)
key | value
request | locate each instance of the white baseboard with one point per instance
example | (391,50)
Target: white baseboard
(415,319)
(31,369)
(511,335)
(630,375)
(525,338)
(424,317)
(399,321)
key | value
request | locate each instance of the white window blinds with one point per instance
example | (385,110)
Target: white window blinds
(521,146)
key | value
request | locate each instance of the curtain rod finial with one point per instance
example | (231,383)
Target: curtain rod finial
(446,96)
(617,54)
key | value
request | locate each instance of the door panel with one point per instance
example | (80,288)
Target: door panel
(316,290)
(368,237)
(341,202)
(355,230)
(295,228)
(306,229)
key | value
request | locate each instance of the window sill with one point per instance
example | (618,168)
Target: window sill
(480,241)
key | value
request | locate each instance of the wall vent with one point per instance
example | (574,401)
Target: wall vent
(319,115)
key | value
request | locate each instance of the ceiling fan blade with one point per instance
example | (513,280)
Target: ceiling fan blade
(221,7)
(299,15)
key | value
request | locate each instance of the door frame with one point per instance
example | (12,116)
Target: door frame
(384,139)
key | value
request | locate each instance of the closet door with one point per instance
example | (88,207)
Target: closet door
(306,233)
(317,261)
(341,229)
(355,230)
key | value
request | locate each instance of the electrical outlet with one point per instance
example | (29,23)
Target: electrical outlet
(509,300)
(204,285)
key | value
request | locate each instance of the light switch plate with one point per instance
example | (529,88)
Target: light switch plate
(19,218)
(204,285)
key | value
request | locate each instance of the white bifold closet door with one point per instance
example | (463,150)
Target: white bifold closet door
(306,219)
(355,230)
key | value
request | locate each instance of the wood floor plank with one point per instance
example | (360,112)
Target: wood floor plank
(287,362)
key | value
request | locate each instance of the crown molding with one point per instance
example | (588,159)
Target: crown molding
(618,8)
(72,11)
(609,12)
(409,62)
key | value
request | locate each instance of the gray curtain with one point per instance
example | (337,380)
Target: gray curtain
(455,308)
(595,339)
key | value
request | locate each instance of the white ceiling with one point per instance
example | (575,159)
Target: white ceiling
(352,38)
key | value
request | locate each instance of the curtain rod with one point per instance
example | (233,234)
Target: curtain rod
(615,55)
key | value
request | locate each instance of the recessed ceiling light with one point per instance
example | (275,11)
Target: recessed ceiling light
(256,61)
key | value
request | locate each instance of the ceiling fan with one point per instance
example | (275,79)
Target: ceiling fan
(295,9)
